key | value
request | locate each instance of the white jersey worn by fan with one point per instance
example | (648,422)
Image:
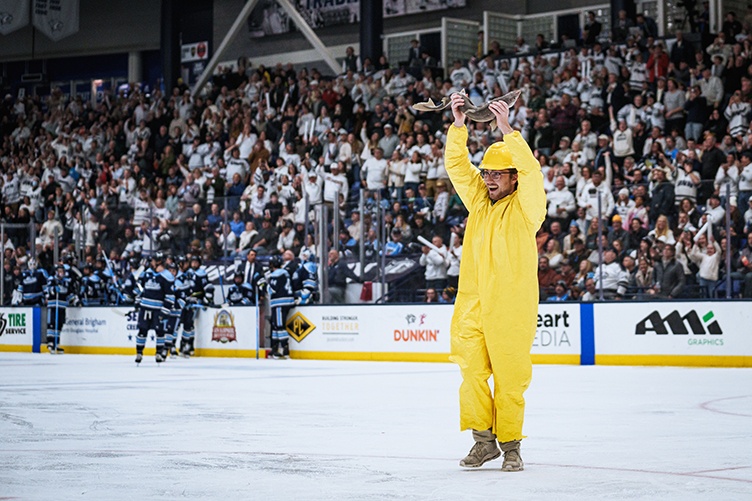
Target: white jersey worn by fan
(141,211)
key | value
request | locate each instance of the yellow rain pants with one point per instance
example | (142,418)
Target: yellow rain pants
(496,310)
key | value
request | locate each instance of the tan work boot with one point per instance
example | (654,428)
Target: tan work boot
(485,449)
(512,458)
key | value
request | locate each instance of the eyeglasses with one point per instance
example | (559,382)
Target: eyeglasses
(495,175)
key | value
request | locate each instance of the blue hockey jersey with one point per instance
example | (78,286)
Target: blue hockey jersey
(280,289)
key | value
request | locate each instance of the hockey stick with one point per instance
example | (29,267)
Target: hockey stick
(57,330)
(221,283)
(258,314)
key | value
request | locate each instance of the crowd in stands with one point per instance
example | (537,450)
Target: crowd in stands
(645,146)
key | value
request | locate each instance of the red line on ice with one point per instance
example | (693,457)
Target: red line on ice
(707,406)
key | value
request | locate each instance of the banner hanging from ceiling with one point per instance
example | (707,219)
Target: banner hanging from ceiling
(14,14)
(57,19)
(268,18)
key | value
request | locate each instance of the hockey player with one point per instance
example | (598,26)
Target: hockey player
(109,281)
(240,293)
(281,300)
(203,291)
(305,280)
(194,292)
(184,284)
(153,305)
(130,285)
(59,297)
(92,288)
(32,285)
(171,320)
(72,272)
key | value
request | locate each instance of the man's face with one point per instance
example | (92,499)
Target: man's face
(668,253)
(499,183)
(543,264)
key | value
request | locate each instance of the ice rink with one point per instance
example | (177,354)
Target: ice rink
(98,427)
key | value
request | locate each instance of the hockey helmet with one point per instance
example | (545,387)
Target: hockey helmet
(238,275)
(134,262)
(197,258)
(158,257)
(275,262)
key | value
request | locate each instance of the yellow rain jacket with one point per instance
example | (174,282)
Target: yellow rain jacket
(496,310)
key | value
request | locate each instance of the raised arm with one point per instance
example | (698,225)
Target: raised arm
(465,177)
(529,177)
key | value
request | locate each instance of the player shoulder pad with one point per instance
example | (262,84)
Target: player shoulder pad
(279,272)
(310,267)
(200,272)
(95,278)
(167,275)
(247,286)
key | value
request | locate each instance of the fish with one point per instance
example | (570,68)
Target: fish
(475,113)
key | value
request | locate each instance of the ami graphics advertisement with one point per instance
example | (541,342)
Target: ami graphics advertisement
(16,329)
(414,332)
(673,332)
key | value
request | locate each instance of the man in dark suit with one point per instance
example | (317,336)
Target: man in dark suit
(682,50)
(592,29)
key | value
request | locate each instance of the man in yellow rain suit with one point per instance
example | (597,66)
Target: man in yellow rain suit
(496,311)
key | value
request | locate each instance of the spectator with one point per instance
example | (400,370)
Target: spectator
(431,296)
(338,273)
(454,256)
(669,275)
(707,258)
(609,274)
(561,292)
(547,277)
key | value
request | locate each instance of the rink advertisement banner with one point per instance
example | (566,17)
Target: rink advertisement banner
(57,19)
(109,330)
(673,333)
(16,329)
(414,332)
(269,18)
(113,330)
(14,14)
(226,332)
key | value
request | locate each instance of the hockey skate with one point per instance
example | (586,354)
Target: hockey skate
(159,357)
(484,450)
(139,358)
(285,348)
(55,350)
(512,458)
(173,352)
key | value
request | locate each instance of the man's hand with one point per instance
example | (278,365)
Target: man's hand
(500,109)
(457,102)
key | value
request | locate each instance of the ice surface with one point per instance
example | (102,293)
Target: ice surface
(98,427)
